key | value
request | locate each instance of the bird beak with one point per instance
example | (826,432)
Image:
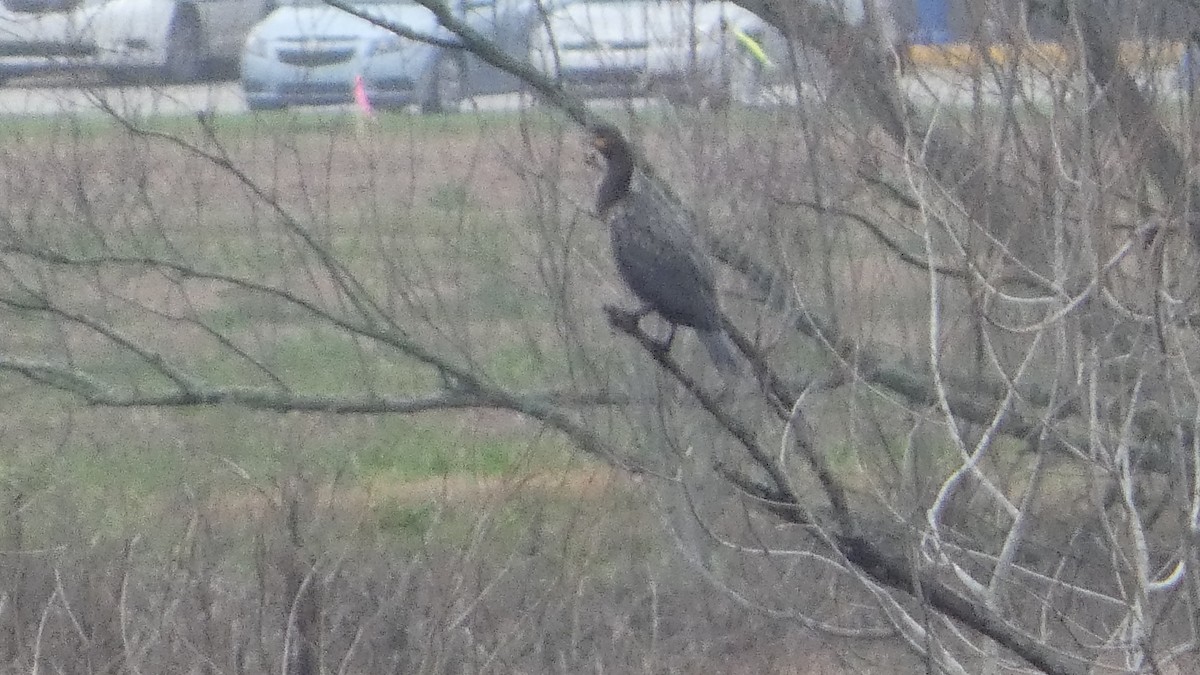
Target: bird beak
(594,149)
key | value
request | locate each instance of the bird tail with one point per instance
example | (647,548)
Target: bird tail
(720,350)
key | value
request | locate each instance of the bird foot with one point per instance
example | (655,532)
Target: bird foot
(629,322)
(623,319)
(659,348)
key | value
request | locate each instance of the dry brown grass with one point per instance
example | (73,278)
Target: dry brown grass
(458,491)
(535,571)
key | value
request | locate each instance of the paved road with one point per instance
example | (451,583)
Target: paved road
(91,97)
(81,97)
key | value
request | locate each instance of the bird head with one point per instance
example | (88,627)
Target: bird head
(610,144)
(608,141)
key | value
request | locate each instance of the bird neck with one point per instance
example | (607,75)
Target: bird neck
(615,185)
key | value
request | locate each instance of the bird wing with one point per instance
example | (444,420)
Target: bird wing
(662,263)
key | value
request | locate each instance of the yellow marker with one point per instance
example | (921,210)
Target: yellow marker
(751,45)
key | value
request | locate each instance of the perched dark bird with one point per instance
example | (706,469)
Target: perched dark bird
(657,255)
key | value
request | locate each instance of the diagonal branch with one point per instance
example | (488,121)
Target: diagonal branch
(781,486)
(96,392)
(1136,117)
(399,29)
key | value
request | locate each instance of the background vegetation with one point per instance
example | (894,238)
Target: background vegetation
(301,394)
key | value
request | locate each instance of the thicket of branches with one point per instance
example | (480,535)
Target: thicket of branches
(968,423)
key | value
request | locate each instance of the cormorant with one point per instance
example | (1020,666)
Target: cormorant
(657,255)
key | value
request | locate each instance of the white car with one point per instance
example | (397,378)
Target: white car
(307,53)
(170,39)
(711,50)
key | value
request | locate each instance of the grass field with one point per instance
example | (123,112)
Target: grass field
(447,223)
(315,255)
(462,225)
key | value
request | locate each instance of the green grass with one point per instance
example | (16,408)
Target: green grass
(110,467)
(312,360)
(404,520)
(110,474)
(111,478)
(233,126)
(341,122)
(345,120)
(407,448)
(452,198)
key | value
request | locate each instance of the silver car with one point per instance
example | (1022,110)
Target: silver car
(306,53)
(710,50)
(172,40)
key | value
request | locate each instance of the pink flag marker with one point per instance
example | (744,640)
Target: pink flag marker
(360,97)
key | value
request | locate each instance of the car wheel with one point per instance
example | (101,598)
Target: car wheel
(447,87)
(184,59)
(261,106)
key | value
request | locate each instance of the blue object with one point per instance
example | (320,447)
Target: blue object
(1189,67)
(933,22)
